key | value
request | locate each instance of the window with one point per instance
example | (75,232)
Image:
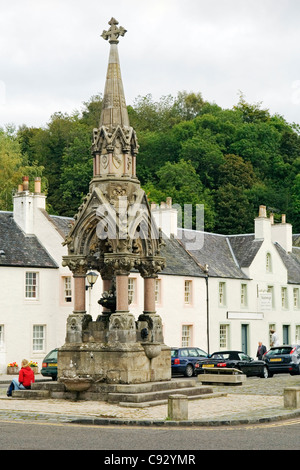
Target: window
(67,289)
(1,337)
(272,327)
(268,263)
(186,335)
(284,298)
(131,290)
(187,292)
(296,298)
(38,341)
(271,291)
(157,291)
(244,300)
(224,329)
(297,334)
(222,296)
(31,285)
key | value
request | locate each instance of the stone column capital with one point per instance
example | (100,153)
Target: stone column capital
(77,264)
(150,266)
(120,263)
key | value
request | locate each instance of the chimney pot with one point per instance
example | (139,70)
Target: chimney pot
(25,180)
(283,219)
(262,211)
(169,202)
(37,185)
(272,218)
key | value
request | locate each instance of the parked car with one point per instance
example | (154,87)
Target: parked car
(283,359)
(236,360)
(49,365)
(183,360)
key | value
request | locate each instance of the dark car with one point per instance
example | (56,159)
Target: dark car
(283,359)
(236,360)
(183,360)
(49,365)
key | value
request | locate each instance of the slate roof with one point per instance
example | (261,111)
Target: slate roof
(16,249)
(291,262)
(245,248)
(186,254)
(214,250)
(296,240)
(178,261)
(62,224)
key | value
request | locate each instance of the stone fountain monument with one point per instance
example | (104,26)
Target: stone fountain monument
(114,234)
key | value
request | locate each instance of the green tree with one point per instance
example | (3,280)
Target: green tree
(181,182)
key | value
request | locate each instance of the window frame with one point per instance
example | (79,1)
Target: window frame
(36,338)
(269,262)
(244,295)
(222,294)
(65,289)
(186,337)
(188,293)
(132,295)
(224,344)
(36,286)
(284,298)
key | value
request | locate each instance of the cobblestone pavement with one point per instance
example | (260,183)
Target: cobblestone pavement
(257,400)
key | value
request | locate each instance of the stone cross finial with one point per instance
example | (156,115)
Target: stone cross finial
(114,32)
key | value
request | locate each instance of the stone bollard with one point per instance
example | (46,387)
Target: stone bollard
(178,407)
(291,397)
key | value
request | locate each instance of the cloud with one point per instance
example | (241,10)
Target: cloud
(52,57)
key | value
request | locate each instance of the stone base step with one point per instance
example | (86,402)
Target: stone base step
(165,401)
(31,394)
(116,397)
(152,386)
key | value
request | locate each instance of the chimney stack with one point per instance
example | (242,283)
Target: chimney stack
(262,211)
(37,185)
(25,180)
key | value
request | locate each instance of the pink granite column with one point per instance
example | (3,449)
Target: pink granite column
(149,295)
(122,293)
(79,294)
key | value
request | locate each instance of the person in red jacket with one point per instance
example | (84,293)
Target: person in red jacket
(26,378)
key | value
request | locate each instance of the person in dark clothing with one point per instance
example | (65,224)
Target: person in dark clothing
(261,350)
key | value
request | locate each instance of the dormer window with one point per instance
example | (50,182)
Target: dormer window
(268,263)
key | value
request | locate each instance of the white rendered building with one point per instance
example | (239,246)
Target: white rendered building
(216,292)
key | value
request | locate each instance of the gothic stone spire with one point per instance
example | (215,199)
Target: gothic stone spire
(114,142)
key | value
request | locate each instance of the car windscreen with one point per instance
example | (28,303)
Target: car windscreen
(220,356)
(52,356)
(279,351)
(174,352)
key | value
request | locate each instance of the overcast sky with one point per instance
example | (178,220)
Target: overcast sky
(52,57)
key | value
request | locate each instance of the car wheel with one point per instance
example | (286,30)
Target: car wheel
(189,371)
(265,373)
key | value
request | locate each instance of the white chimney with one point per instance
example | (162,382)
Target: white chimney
(165,217)
(26,204)
(282,233)
(262,225)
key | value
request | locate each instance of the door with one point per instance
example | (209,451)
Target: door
(245,329)
(286,334)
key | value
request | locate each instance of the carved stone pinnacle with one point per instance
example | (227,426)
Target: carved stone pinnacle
(114,32)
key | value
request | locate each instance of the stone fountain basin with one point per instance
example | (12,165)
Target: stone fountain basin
(77,384)
(152,349)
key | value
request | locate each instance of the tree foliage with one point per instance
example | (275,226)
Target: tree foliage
(230,160)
